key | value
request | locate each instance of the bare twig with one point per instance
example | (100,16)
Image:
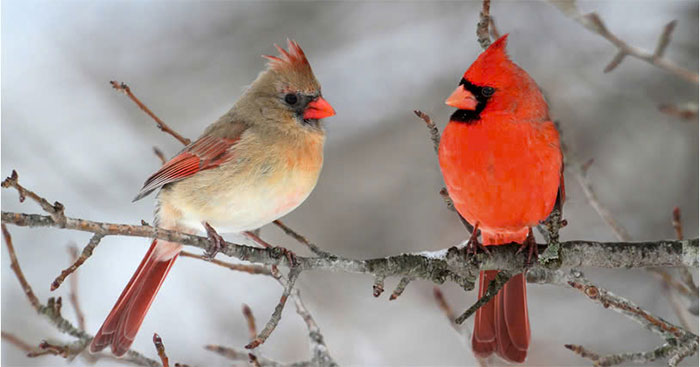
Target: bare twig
(595,24)
(160,348)
(493,288)
(52,312)
(319,351)
(87,252)
(482,28)
(80,316)
(687,111)
(679,342)
(161,125)
(378,286)
(160,155)
(55,210)
(246,268)
(434,132)
(250,319)
(16,341)
(301,239)
(664,39)
(579,173)
(277,313)
(403,283)
(14,265)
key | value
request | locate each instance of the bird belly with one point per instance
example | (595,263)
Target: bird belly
(503,175)
(243,201)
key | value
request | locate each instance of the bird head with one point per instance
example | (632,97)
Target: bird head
(287,92)
(495,83)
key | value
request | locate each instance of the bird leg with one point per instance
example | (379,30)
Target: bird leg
(473,245)
(291,256)
(531,246)
(216,240)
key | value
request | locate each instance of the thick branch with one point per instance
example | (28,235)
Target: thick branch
(433,266)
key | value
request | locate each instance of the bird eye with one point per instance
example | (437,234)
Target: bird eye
(487,91)
(291,99)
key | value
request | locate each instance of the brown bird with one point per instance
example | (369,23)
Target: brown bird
(255,164)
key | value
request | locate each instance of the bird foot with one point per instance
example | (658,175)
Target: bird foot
(217,242)
(473,246)
(291,256)
(531,245)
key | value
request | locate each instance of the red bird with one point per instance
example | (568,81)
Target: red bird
(255,164)
(502,164)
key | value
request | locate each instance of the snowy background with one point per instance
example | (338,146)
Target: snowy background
(74,139)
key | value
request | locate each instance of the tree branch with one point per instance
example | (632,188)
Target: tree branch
(594,23)
(679,343)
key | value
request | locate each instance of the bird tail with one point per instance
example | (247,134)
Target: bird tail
(502,325)
(121,325)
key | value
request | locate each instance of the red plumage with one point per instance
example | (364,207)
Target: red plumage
(502,164)
(121,325)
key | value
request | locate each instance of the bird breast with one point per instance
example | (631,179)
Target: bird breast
(261,184)
(502,172)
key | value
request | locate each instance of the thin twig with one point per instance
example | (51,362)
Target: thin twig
(14,265)
(160,155)
(55,210)
(246,268)
(250,320)
(301,239)
(403,283)
(595,24)
(319,351)
(73,251)
(160,348)
(378,286)
(161,125)
(52,312)
(679,343)
(434,132)
(277,313)
(687,111)
(493,288)
(87,252)
(482,28)
(16,341)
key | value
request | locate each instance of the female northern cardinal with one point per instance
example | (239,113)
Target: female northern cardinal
(255,164)
(502,165)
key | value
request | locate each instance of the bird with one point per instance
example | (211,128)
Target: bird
(256,163)
(501,161)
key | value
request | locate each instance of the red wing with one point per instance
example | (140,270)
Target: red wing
(205,153)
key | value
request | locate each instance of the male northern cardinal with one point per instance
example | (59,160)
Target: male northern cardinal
(502,165)
(255,164)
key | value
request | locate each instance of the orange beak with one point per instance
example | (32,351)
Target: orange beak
(462,99)
(317,109)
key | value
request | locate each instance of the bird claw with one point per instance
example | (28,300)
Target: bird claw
(473,246)
(531,245)
(289,254)
(216,240)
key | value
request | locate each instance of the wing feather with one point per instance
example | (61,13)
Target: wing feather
(205,153)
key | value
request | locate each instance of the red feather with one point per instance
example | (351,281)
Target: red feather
(205,153)
(123,322)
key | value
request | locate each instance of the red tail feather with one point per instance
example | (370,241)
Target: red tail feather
(123,322)
(502,325)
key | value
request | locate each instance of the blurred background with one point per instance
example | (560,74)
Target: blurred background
(72,138)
